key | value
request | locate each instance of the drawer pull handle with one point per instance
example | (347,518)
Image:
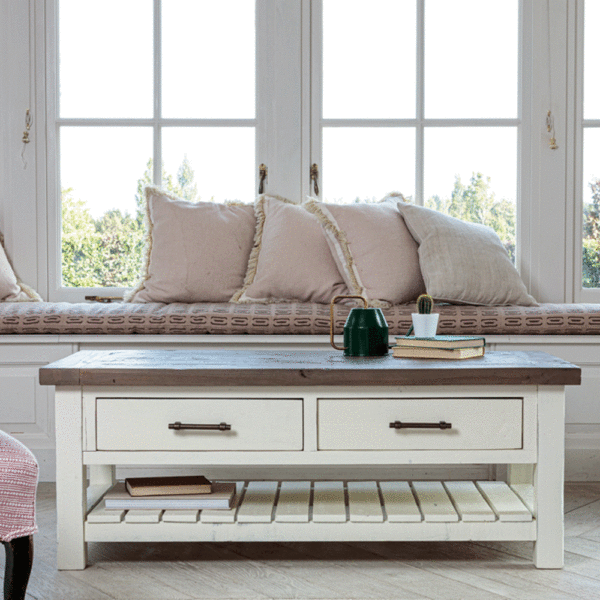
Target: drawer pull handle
(179,425)
(401,425)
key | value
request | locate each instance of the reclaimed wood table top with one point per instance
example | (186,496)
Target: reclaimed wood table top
(300,368)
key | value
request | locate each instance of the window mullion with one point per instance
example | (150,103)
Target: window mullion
(157,138)
(420,106)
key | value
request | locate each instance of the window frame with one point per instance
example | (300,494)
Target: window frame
(57,292)
(577,51)
(522,121)
(547,249)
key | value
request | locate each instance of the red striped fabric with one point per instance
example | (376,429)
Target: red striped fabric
(18,483)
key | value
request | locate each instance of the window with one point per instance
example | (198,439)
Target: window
(591,148)
(387,96)
(169,101)
(417,98)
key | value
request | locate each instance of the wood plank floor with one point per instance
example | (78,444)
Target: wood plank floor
(461,571)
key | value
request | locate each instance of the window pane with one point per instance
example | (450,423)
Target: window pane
(471,173)
(209,163)
(591,81)
(591,208)
(106,63)
(102,172)
(367,163)
(369,58)
(208,56)
(471,58)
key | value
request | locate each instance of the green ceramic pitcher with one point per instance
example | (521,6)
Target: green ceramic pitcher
(365,332)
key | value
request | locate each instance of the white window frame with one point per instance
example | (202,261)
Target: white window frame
(577,59)
(549,215)
(420,123)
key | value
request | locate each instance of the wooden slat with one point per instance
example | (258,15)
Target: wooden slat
(504,501)
(434,502)
(469,502)
(329,505)
(258,501)
(180,516)
(526,493)
(293,502)
(100,515)
(399,502)
(213,515)
(364,504)
(143,516)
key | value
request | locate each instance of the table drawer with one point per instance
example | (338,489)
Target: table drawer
(143,424)
(364,424)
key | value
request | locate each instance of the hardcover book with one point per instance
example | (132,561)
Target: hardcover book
(445,353)
(442,341)
(221,497)
(163,486)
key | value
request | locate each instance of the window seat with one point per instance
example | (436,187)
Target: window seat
(63,318)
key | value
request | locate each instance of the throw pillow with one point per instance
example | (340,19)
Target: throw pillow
(195,252)
(373,249)
(463,263)
(290,260)
(11,289)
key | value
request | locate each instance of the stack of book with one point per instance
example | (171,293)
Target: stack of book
(169,493)
(440,346)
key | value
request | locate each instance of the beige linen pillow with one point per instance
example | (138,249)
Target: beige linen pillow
(463,263)
(290,260)
(11,289)
(373,250)
(195,252)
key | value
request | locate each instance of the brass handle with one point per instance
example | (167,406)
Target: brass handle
(262,173)
(401,425)
(314,175)
(179,425)
(333,301)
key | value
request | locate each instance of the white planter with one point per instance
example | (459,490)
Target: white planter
(425,325)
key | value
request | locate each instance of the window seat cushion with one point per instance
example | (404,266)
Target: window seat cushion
(63,318)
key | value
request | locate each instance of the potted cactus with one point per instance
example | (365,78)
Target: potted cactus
(424,320)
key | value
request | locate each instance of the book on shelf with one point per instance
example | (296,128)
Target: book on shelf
(166,486)
(441,341)
(445,353)
(221,497)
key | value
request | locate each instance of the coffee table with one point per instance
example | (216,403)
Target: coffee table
(314,408)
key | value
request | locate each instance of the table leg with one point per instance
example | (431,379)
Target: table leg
(71,500)
(548,550)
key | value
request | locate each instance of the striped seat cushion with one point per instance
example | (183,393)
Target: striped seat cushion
(284,319)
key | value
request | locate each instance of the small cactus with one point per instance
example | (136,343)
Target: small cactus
(424,304)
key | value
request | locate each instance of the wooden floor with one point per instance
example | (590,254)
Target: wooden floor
(447,571)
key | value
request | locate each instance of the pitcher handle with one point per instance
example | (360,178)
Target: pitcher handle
(331,316)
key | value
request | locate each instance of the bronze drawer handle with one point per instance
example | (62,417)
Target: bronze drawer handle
(401,425)
(179,425)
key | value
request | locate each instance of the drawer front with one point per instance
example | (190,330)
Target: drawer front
(364,424)
(143,424)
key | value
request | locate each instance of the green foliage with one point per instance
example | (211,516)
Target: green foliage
(591,239)
(476,203)
(108,251)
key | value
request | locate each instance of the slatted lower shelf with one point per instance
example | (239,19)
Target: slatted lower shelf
(336,511)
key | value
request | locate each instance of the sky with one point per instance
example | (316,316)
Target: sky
(369,72)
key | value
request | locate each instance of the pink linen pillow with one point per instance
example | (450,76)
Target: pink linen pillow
(290,260)
(11,289)
(373,250)
(195,252)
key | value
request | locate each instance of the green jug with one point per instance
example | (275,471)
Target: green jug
(365,332)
